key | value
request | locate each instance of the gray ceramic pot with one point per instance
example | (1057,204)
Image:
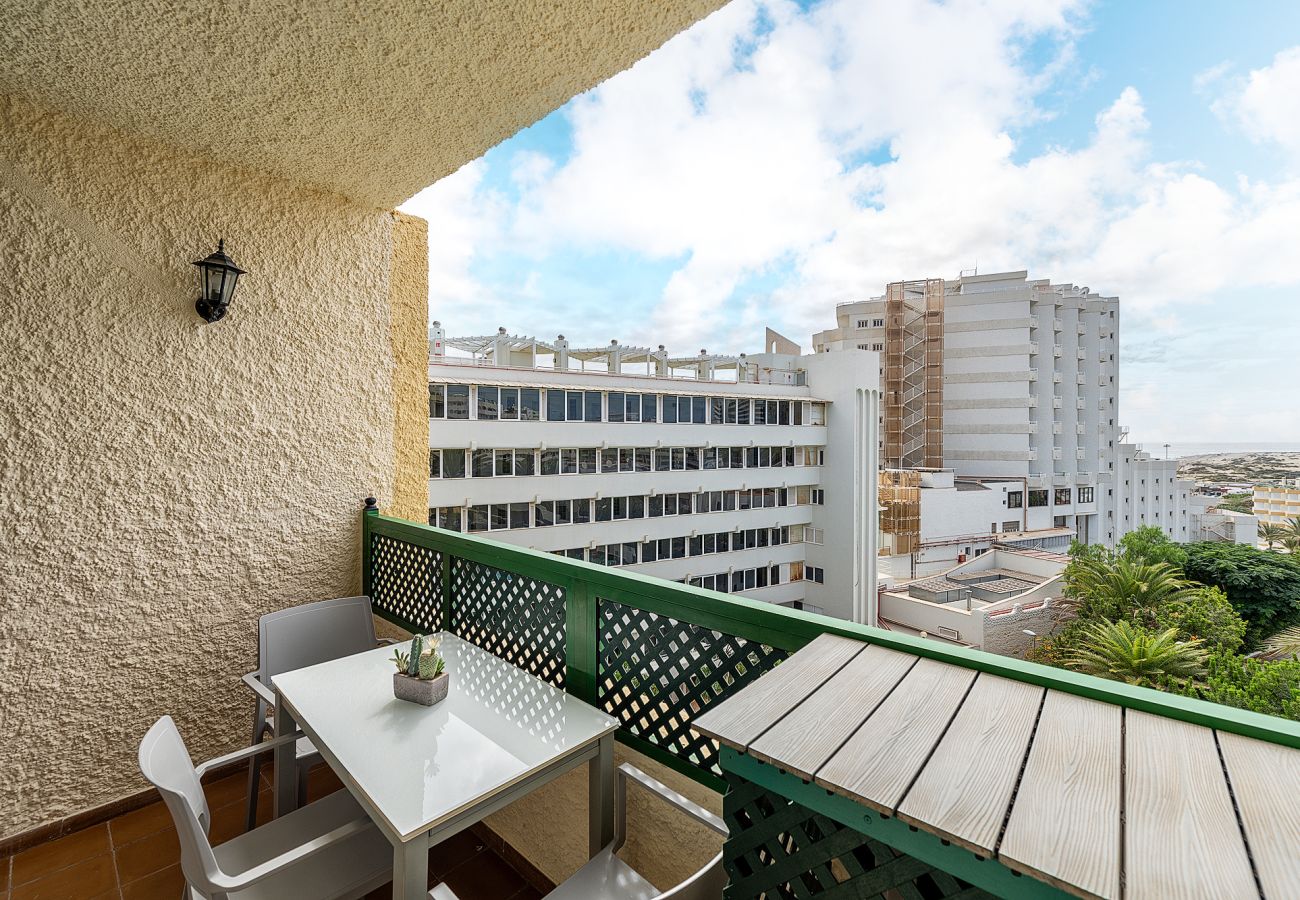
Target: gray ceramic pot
(424,692)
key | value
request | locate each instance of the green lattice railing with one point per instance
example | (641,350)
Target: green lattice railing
(655,653)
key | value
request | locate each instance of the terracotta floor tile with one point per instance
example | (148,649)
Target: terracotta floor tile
(322,781)
(485,876)
(89,878)
(144,857)
(452,852)
(227,790)
(165,884)
(45,859)
(230,820)
(140,823)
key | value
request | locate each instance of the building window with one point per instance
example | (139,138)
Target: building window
(487,402)
(815,574)
(1086,494)
(1011,525)
(437,401)
(1062,497)
(1037,498)
(1015,499)
(864,323)
(458,401)
(1058,521)
(813,535)
(877,323)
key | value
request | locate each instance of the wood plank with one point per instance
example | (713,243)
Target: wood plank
(1181,837)
(876,765)
(752,711)
(803,741)
(1065,823)
(965,788)
(1264,779)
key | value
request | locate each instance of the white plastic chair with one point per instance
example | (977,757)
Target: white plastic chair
(292,638)
(327,850)
(606,877)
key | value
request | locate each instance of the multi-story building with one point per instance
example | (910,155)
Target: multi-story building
(1010,385)
(753,475)
(1277,504)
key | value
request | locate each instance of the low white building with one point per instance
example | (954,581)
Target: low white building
(750,474)
(1000,601)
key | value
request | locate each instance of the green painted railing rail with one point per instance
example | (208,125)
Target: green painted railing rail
(597,600)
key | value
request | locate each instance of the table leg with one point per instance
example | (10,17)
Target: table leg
(411,869)
(286,762)
(600,796)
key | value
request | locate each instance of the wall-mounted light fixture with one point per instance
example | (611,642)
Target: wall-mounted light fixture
(218,276)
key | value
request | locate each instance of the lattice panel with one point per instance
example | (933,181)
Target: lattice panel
(405,581)
(517,618)
(779,850)
(658,673)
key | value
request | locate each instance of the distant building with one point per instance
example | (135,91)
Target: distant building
(1277,504)
(747,474)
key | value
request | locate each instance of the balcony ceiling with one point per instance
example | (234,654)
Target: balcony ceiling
(371,100)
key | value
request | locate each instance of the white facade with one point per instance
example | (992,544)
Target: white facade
(719,483)
(1030,386)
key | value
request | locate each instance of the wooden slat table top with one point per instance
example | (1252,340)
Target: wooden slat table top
(1087,796)
(805,739)
(752,711)
(966,786)
(1066,819)
(876,765)
(1181,836)
(1265,779)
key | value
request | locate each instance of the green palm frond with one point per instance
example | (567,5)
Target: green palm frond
(1122,651)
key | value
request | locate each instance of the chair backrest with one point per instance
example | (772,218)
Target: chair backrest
(166,764)
(313,633)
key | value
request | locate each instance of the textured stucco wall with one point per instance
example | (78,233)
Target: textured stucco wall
(409,338)
(166,481)
(372,100)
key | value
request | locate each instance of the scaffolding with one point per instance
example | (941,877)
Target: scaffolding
(900,516)
(914,374)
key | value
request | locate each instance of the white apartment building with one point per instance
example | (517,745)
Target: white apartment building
(1001,379)
(752,475)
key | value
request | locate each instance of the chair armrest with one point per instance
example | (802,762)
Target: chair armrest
(628,771)
(246,752)
(262,871)
(260,689)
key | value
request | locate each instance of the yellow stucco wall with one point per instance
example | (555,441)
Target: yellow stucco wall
(167,481)
(409,323)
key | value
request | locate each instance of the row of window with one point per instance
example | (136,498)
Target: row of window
(496,463)
(631,553)
(545,513)
(458,401)
(871,323)
(1060,497)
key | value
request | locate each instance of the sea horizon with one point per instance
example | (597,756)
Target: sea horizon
(1180,449)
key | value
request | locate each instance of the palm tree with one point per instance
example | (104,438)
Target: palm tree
(1122,588)
(1286,643)
(1271,534)
(1122,651)
(1292,528)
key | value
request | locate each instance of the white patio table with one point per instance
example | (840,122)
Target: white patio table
(425,773)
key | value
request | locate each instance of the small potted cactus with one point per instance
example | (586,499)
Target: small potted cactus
(421,675)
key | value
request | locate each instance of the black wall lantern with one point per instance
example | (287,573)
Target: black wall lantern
(218,277)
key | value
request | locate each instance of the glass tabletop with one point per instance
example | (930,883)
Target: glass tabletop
(420,765)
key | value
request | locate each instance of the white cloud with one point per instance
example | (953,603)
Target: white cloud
(862,142)
(1267,103)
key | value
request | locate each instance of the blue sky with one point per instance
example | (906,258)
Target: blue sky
(777,158)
